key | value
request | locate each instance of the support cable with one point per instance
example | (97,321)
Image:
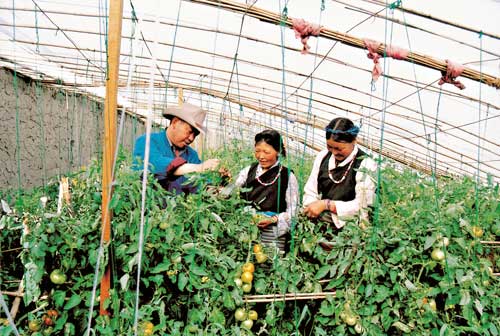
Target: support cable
(66,35)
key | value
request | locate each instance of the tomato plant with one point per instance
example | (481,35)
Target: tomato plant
(195,276)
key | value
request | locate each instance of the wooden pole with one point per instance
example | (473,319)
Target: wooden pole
(180,96)
(113,61)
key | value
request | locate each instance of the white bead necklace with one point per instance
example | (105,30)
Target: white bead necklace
(345,173)
(272,182)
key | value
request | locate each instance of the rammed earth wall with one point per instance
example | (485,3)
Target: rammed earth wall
(47,131)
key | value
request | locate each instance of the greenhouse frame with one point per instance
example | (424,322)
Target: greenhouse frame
(93,242)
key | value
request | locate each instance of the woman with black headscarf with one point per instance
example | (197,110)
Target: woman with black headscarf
(341,184)
(272,188)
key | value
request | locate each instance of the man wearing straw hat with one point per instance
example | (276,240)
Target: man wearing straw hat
(170,154)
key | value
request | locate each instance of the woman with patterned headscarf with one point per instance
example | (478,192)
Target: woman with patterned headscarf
(341,184)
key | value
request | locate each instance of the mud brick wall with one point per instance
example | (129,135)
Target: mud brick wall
(47,131)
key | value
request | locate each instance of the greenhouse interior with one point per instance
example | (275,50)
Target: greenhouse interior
(229,167)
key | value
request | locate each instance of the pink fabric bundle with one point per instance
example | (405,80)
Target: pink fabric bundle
(304,30)
(390,51)
(396,52)
(453,70)
(372,47)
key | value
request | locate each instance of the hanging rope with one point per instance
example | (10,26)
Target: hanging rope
(385,87)
(16,94)
(478,177)
(38,97)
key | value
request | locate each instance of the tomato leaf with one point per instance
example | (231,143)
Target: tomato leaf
(465,297)
(322,272)
(401,326)
(429,241)
(124,281)
(479,306)
(59,297)
(182,281)
(197,270)
(162,267)
(74,301)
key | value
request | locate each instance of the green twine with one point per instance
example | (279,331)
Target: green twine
(18,133)
(38,94)
(395,4)
(284,15)
(285,120)
(36,29)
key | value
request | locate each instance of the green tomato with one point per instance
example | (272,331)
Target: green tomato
(57,277)
(350,320)
(48,331)
(238,282)
(192,328)
(247,287)
(432,304)
(495,229)
(437,254)
(445,241)
(247,324)
(177,258)
(240,314)
(252,315)
(34,325)
(358,328)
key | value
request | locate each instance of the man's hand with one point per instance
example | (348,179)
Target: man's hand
(315,209)
(225,173)
(209,164)
(263,223)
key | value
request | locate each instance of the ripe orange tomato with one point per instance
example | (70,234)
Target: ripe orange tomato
(47,320)
(477,231)
(257,248)
(248,267)
(247,277)
(52,313)
(260,257)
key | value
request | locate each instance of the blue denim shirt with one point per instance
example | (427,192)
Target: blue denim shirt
(161,155)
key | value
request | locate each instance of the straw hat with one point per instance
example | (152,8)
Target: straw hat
(193,115)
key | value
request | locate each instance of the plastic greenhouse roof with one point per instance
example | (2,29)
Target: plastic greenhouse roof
(247,69)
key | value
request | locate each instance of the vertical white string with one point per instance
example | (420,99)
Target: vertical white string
(145,175)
